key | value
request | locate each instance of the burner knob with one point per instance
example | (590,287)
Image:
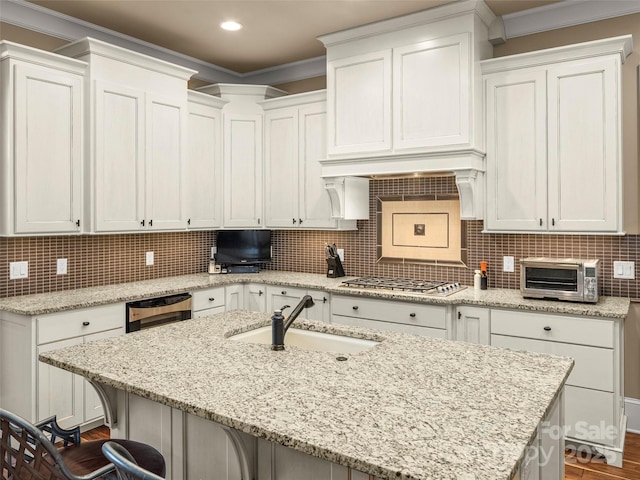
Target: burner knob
(440,289)
(456,285)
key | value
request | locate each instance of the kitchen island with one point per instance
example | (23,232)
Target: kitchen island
(409,408)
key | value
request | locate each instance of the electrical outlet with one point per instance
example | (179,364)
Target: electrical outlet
(18,270)
(149,259)
(61,266)
(341,254)
(508,264)
(624,270)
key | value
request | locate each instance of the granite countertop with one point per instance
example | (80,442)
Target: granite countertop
(409,408)
(39,304)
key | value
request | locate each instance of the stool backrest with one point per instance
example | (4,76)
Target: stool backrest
(126,466)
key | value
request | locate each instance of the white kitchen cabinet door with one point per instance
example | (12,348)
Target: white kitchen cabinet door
(516,151)
(119,166)
(584,175)
(255,297)
(60,392)
(165,152)
(432,110)
(234,297)
(203,172)
(48,132)
(314,200)
(321,309)
(242,170)
(278,296)
(93,408)
(359,104)
(281,168)
(472,325)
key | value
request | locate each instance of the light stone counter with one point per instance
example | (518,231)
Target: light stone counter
(409,408)
(610,307)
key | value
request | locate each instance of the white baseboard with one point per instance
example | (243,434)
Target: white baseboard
(632,410)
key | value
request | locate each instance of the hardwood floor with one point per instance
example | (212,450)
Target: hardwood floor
(575,468)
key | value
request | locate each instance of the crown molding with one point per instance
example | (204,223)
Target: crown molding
(43,20)
(566,14)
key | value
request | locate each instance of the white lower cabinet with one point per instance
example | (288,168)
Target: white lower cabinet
(207,302)
(234,297)
(277,297)
(594,397)
(413,318)
(35,390)
(255,297)
(472,324)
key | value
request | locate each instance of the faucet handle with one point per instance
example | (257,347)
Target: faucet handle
(283,307)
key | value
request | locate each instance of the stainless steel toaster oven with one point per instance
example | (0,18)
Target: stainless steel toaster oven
(560,279)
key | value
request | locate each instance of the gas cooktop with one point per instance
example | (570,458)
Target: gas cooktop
(426,287)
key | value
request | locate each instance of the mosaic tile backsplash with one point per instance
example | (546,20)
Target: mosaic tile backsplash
(107,259)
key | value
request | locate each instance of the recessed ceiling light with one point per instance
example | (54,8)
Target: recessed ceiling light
(233,26)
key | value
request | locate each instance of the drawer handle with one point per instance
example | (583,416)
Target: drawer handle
(211,299)
(412,315)
(283,292)
(259,292)
(324,299)
(86,324)
(547,329)
(355,307)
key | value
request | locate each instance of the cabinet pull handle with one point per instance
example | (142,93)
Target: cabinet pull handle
(553,222)
(283,292)
(142,223)
(189,221)
(294,221)
(151,223)
(547,329)
(258,221)
(324,299)
(78,223)
(86,324)
(211,299)
(355,307)
(412,315)
(540,222)
(259,292)
(459,315)
(300,221)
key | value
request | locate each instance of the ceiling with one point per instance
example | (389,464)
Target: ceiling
(276,32)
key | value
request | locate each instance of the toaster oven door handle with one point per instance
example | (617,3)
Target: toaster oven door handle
(526,264)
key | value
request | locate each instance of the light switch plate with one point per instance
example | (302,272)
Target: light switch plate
(624,270)
(61,266)
(18,270)
(149,259)
(508,264)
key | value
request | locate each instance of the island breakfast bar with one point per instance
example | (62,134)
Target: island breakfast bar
(409,408)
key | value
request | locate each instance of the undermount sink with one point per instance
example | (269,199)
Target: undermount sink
(321,342)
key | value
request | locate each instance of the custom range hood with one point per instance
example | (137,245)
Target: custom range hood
(404,98)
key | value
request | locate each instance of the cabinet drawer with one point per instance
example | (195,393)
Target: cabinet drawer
(77,323)
(589,415)
(209,298)
(556,328)
(388,326)
(593,365)
(394,312)
(208,311)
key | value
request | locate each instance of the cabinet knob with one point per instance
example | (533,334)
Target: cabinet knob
(260,292)
(459,315)
(355,307)
(412,315)
(142,223)
(86,324)
(294,220)
(300,221)
(283,292)
(151,223)
(78,223)
(211,299)
(547,329)
(540,222)
(188,221)
(553,222)
(324,300)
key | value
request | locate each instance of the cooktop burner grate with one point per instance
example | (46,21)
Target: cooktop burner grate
(427,287)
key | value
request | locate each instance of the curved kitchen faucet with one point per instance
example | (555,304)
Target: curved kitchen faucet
(279,325)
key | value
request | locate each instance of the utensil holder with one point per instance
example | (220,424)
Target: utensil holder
(334,267)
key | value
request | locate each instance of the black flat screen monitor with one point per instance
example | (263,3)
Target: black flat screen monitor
(243,247)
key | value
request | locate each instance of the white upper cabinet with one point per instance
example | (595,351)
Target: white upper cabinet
(554,160)
(42,144)
(405,87)
(203,176)
(295,142)
(138,141)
